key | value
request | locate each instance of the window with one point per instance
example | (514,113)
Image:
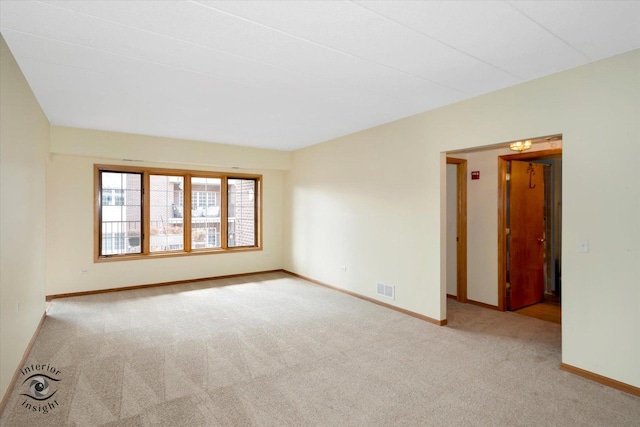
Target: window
(141,212)
(203,199)
(242,213)
(113,243)
(112,197)
(120,212)
(205,212)
(212,238)
(167,230)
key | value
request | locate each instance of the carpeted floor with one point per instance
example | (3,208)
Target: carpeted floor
(274,350)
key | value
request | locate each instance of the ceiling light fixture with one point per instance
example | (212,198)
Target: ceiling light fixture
(520,145)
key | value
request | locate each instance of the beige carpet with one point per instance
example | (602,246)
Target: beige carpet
(273,350)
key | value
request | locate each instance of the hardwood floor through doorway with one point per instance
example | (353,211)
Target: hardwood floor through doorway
(545,310)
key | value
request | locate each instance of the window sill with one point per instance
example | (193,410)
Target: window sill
(137,257)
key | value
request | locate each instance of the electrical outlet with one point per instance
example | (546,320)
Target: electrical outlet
(344,268)
(17,308)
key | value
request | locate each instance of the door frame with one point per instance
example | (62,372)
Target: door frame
(461,250)
(502,215)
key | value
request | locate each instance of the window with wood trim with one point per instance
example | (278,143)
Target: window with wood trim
(140,212)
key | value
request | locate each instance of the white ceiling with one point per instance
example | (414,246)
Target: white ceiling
(288,74)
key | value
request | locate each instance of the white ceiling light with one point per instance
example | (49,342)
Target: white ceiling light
(520,146)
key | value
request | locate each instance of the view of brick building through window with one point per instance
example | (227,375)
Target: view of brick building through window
(122,213)
(242,210)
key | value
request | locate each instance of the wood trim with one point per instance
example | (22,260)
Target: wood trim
(455,161)
(155,255)
(224,215)
(153,285)
(176,172)
(461,202)
(23,361)
(627,388)
(186,214)
(530,155)
(96,213)
(502,234)
(259,212)
(454,297)
(375,301)
(145,214)
(502,214)
(482,304)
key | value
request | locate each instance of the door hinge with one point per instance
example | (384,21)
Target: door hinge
(508,231)
(508,177)
(508,285)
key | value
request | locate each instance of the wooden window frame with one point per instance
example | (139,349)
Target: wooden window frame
(186,215)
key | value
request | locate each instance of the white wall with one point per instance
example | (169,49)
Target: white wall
(375,202)
(70,209)
(363,202)
(115,145)
(482,230)
(24,144)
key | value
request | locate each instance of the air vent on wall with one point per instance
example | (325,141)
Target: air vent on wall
(386,291)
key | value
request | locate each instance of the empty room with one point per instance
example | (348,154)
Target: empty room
(344,213)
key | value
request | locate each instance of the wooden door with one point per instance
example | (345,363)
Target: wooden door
(526,238)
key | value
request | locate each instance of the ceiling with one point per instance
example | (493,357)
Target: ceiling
(288,74)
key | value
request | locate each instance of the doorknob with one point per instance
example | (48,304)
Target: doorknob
(541,240)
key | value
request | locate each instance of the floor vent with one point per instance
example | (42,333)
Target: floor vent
(386,291)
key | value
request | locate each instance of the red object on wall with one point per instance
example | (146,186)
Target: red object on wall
(475,175)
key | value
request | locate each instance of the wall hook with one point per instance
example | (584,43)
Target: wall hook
(531,172)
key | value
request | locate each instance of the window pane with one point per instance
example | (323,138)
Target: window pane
(241,212)
(205,213)
(120,213)
(166,213)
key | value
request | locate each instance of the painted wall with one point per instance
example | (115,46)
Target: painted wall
(70,209)
(24,145)
(115,145)
(375,202)
(362,202)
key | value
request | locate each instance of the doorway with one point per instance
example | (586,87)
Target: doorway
(529,234)
(457,229)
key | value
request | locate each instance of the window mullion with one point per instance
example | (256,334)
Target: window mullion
(186,213)
(257,208)
(146,212)
(98,206)
(224,227)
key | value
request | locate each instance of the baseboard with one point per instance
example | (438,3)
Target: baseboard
(153,285)
(452,297)
(375,301)
(23,361)
(481,304)
(627,388)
